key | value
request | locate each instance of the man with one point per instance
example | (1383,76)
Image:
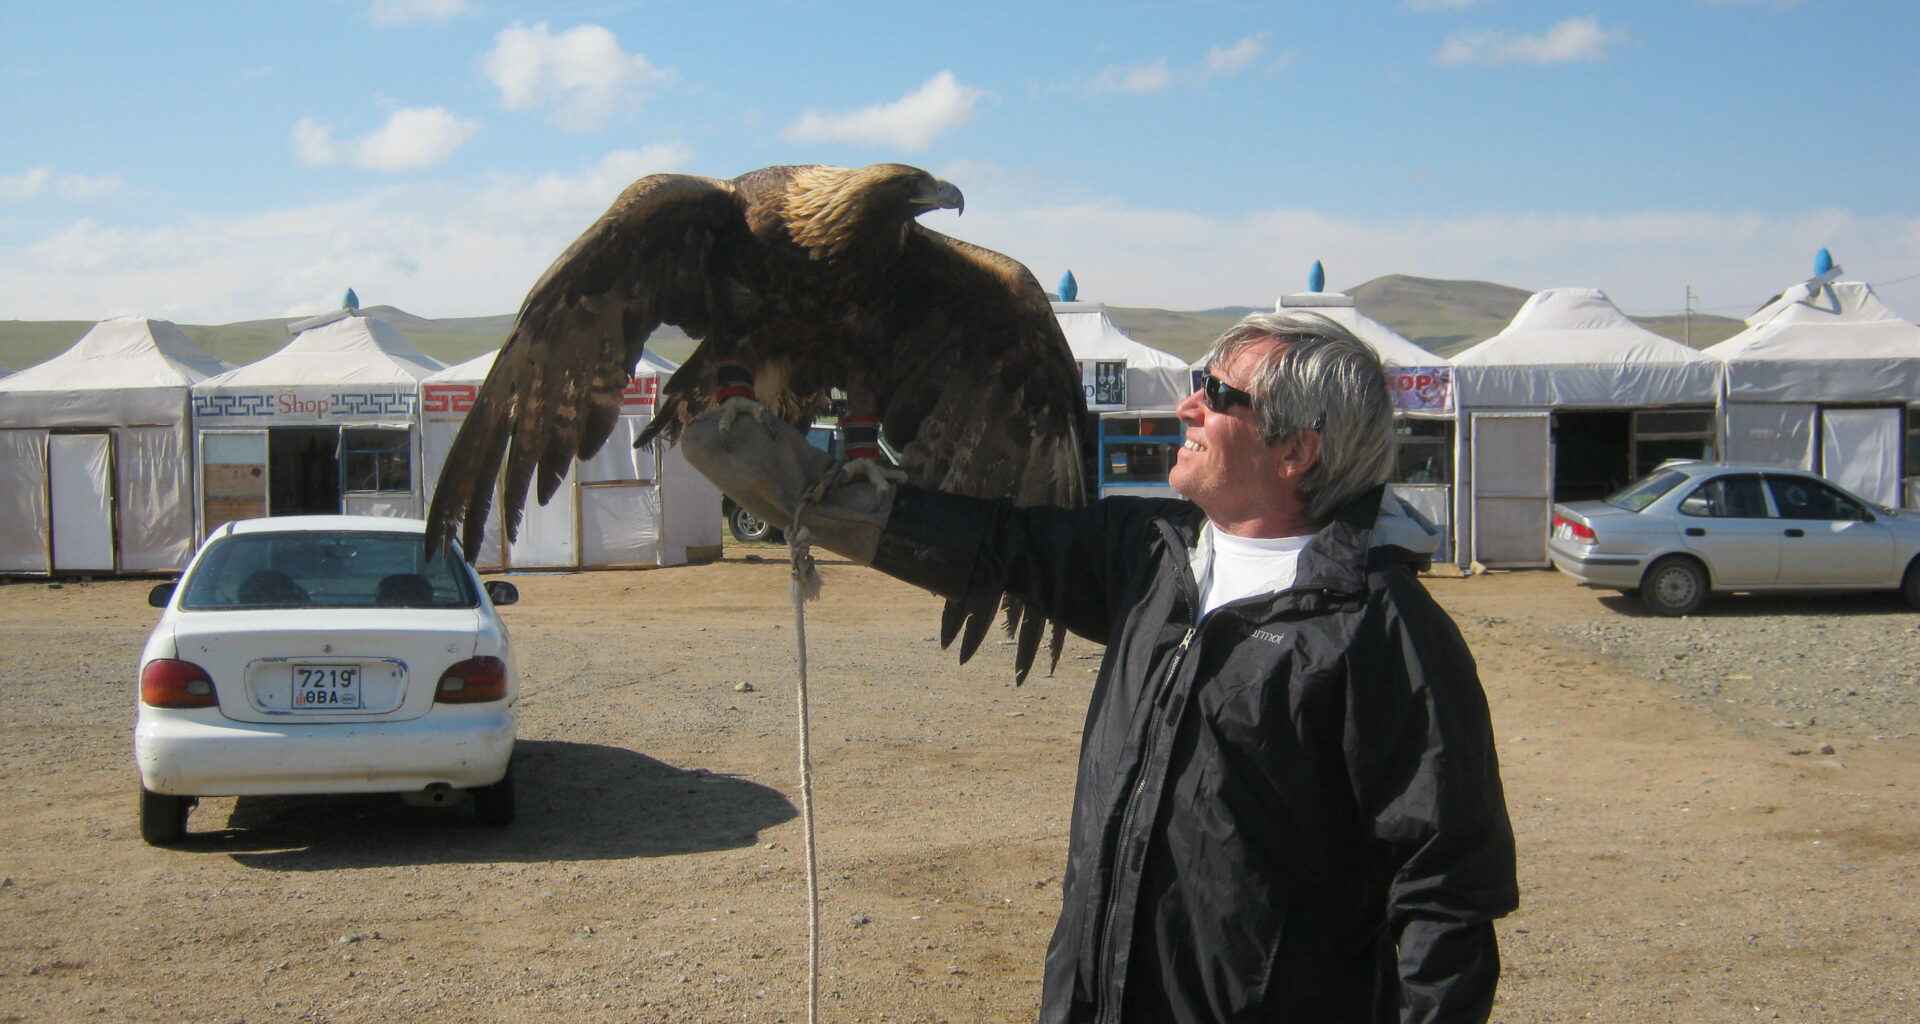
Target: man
(1289,807)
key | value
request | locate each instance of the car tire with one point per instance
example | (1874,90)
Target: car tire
(1674,586)
(163,817)
(493,805)
(1910,584)
(748,528)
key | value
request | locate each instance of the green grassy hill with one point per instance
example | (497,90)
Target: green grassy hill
(1441,316)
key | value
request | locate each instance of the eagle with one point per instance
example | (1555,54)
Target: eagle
(798,281)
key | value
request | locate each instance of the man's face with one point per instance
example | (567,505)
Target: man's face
(1225,466)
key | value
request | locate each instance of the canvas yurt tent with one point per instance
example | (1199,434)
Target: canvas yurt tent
(328,424)
(1569,402)
(96,453)
(1130,389)
(626,507)
(1827,378)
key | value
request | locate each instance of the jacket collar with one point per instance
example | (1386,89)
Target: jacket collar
(1373,529)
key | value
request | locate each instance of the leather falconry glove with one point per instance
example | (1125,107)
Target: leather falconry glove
(770,469)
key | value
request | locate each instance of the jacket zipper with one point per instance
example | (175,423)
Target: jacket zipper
(1107,1010)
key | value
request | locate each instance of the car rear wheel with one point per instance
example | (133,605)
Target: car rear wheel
(748,528)
(493,805)
(1910,586)
(163,817)
(1674,585)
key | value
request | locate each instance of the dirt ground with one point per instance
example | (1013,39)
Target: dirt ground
(1680,860)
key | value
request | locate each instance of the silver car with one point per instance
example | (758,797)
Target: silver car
(1691,528)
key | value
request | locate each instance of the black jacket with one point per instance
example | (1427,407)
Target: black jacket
(1287,810)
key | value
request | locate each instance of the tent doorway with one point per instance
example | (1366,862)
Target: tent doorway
(1592,454)
(303,471)
(80,497)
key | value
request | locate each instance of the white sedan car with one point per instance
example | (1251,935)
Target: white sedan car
(1690,528)
(325,654)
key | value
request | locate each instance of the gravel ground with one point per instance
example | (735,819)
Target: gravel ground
(1845,664)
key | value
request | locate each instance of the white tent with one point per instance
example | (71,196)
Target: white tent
(626,507)
(330,423)
(1569,400)
(1116,371)
(95,453)
(1826,377)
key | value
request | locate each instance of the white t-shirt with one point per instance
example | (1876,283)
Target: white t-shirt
(1229,568)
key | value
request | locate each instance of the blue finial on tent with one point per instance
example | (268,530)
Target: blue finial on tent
(351,301)
(1317,278)
(1069,288)
(1822,262)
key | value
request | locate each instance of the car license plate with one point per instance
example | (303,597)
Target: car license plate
(326,687)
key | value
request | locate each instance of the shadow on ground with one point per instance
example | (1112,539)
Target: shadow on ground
(576,801)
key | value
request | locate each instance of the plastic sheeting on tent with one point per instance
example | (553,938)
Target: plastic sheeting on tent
(351,371)
(102,431)
(625,507)
(1814,347)
(1573,348)
(1152,379)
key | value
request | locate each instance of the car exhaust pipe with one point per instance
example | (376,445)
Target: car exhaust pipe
(437,794)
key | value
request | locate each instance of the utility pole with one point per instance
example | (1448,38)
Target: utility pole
(1689,320)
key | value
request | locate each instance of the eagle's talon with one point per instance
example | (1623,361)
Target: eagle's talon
(875,472)
(734,408)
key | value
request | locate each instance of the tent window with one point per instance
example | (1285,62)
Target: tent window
(1662,434)
(1423,451)
(1109,383)
(303,471)
(376,459)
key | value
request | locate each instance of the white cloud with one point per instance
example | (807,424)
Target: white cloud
(910,123)
(412,137)
(1161,73)
(42,181)
(440,250)
(388,13)
(581,76)
(1231,60)
(1135,80)
(1575,39)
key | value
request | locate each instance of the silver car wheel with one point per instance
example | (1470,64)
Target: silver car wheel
(1674,586)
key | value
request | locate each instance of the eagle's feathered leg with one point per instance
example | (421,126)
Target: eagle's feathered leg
(860,438)
(733,392)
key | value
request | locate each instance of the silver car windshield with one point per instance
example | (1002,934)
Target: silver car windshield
(327,569)
(1646,490)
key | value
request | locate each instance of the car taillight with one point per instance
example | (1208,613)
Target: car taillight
(472,681)
(1567,528)
(170,683)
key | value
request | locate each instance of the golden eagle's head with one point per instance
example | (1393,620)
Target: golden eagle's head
(830,210)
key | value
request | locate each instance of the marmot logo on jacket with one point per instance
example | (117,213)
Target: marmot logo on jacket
(1272,638)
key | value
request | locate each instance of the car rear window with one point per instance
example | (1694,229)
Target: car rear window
(326,569)
(1646,490)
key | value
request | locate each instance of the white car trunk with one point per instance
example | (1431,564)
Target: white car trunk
(346,665)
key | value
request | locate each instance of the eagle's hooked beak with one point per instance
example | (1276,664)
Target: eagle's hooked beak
(945,196)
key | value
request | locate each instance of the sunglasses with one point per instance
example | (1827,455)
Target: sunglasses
(1222,396)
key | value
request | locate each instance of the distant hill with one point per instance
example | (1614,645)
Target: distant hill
(1441,316)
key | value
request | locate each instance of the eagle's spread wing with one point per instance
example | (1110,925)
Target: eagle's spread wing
(982,399)
(554,390)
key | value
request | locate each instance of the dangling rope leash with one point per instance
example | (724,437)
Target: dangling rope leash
(804,584)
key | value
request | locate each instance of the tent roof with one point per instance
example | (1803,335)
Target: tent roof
(1091,335)
(1573,347)
(1835,343)
(123,352)
(476,369)
(350,350)
(1394,348)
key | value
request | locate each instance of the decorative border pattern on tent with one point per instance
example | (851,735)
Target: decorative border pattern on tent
(341,403)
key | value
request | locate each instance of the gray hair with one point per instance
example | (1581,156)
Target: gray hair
(1326,380)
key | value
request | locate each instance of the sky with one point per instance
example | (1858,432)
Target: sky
(219,161)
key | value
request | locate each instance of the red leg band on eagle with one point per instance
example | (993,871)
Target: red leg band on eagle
(861,435)
(733,379)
